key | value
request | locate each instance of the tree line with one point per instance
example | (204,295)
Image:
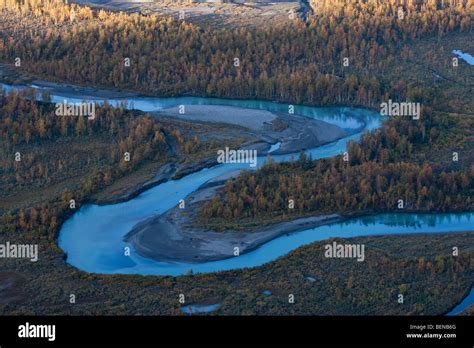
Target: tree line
(301,63)
(383,172)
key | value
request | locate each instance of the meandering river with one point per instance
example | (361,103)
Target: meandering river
(93,237)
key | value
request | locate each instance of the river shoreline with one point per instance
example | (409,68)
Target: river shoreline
(172,236)
(162,193)
(9,75)
(161,240)
(460,303)
(289,145)
(293,133)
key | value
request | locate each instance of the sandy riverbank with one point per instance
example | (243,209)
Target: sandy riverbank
(172,236)
(294,133)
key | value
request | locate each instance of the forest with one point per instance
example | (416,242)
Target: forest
(301,63)
(31,129)
(390,164)
(65,158)
(47,160)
